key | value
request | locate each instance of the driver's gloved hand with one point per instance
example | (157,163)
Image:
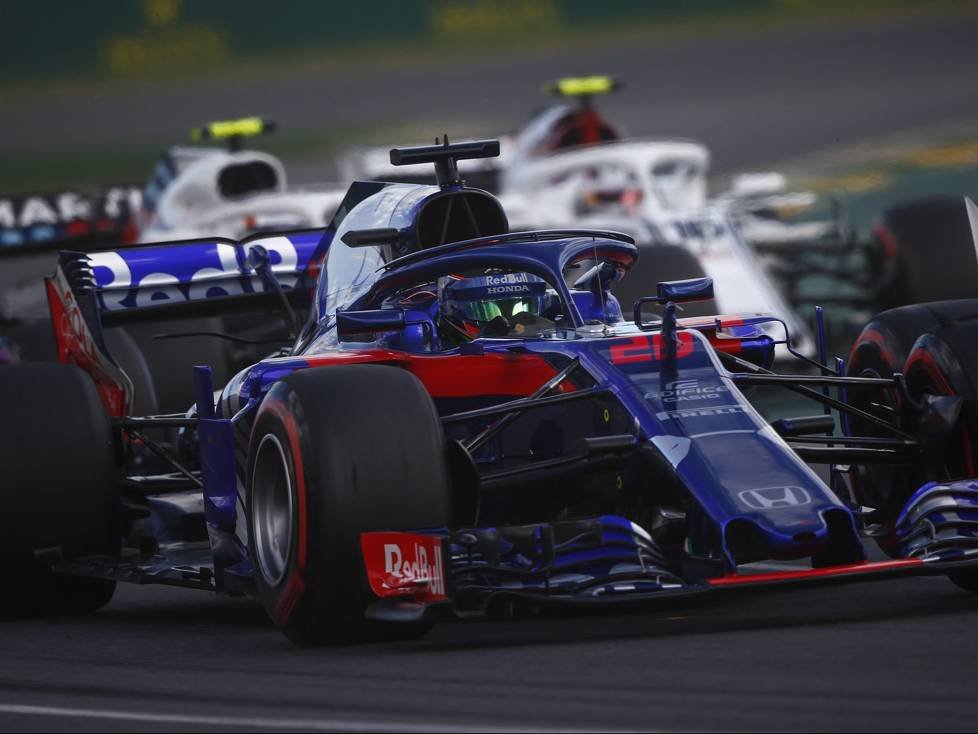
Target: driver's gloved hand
(526,324)
(499,326)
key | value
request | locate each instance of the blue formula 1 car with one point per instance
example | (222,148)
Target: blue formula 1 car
(465,422)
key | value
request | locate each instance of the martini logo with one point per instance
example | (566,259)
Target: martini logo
(67,206)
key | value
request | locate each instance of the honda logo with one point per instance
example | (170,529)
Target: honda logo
(773,498)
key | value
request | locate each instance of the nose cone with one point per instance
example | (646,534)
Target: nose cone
(829,537)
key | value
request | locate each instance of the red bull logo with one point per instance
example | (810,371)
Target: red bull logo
(404,564)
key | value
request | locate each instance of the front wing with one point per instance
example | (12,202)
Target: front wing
(418,576)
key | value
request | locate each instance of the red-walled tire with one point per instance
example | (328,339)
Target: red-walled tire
(334,452)
(880,350)
(928,245)
(945,362)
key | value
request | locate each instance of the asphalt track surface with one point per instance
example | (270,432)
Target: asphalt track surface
(894,655)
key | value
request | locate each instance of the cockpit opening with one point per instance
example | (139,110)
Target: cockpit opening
(240,179)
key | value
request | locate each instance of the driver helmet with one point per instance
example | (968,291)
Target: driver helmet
(491,304)
(609,188)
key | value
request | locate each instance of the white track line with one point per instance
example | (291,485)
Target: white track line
(338,725)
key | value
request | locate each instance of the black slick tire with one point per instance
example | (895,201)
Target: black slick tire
(880,350)
(945,362)
(60,487)
(927,245)
(355,448)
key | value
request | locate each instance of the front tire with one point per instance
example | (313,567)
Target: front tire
(945,363)
(881,350)
(334,452)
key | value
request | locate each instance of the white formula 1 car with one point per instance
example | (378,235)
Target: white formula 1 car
(200,191)
(194,191)
(569,166)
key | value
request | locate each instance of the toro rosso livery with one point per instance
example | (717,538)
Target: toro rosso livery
(572,166)
(457,419)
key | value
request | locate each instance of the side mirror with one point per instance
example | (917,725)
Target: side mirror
(684,291)
(676,291)
(349,323)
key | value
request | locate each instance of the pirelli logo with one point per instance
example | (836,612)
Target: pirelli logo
(700,412)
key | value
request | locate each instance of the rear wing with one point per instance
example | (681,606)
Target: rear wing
(49,221)
(191,277)
(194,272)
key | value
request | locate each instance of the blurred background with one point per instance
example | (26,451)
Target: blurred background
(871,99)
(865,103)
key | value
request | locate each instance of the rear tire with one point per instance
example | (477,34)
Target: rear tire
(170,362)
(334,452)
(31,341)
(929,243)
(59,487)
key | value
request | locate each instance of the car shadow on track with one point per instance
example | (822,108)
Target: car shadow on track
(825,607)
(182,608)
(771,609)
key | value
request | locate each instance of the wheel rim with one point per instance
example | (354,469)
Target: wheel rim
(272,513)
(960,464)
(879,486)
(883,475)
